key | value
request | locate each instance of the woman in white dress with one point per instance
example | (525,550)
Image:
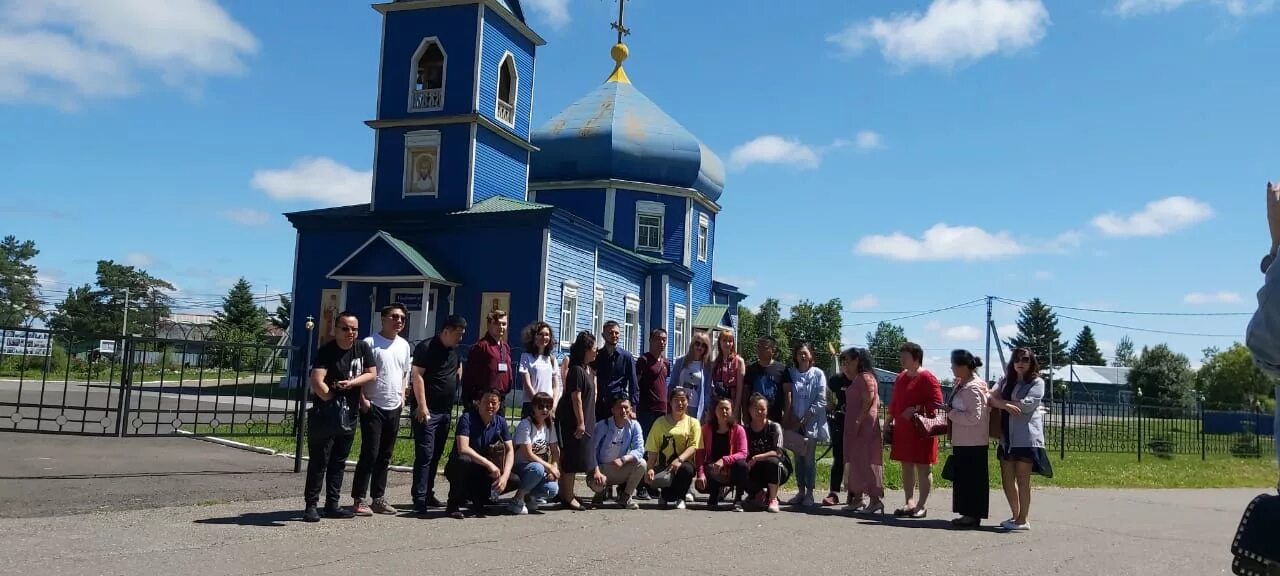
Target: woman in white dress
(538,369)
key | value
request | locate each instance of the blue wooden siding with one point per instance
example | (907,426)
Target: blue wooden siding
(571,256)
(318,253)
(679,292)
(702,271)
(455,27)
(455,160)
(619,276)
(500,38)
(500,167)
(624,221)
(587,204)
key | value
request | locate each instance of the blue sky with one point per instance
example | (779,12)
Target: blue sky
(903,155)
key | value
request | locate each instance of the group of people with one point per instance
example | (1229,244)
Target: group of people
(650,428)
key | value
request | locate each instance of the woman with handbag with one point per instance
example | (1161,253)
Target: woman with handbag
(916,391)
(863,445)
(672,443)
(966,467)
(767,465)
(1021,451)
(805,424)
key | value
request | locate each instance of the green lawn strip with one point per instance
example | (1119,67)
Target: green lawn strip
(1079,470)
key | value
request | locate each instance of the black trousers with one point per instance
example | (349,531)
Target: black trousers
(737,480)
(970,494)
(326,464)
(378,431)
(765,472)
(680,482)
(836,426)
(469,482)
(428,447)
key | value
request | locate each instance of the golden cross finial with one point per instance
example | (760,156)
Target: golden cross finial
(620,25)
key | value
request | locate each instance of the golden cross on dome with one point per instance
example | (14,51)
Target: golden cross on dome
(620,25)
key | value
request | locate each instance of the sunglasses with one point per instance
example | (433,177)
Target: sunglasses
(1022,360)
(395,318)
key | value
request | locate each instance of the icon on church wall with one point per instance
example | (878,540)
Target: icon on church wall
(424,162)
(491,301)
(329,310)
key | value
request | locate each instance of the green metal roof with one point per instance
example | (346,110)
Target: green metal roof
(499,204)
(709,316)
(638,256)
(414,257)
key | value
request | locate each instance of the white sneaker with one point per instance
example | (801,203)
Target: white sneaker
(688,497)
(517,507)
(679,504)
(1013,526)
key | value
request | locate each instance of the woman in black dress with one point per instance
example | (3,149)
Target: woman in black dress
(577,417)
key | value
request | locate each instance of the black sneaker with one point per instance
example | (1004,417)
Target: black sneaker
(454,513)
(642,493)
(311,514)
(338,512)
(434,502)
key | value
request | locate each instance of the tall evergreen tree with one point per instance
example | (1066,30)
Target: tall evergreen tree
(19,295)
(241,312)
(1085,351)
(284,311)
(1124,353)
(747,333)
(819,325)
(884,344)
(1038,331)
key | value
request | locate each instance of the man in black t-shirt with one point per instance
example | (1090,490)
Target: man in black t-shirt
(338,371)
(436,372)
(767,377)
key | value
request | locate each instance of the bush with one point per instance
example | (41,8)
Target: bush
(1246,444)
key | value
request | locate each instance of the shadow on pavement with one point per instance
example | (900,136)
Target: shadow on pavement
(265,519)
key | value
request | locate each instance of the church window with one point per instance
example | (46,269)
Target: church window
(679,339)
(508,83)
(568,313)
(597,312)
(649,226)
(428,74)
(422,163)
(704,237)
(631,325)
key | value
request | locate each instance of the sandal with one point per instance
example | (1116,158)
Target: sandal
(831,500)
(919,513)
(574,505)
(904,511)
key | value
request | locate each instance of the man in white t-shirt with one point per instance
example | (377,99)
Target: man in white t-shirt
(380,407)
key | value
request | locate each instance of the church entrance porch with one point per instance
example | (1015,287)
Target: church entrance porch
(386,270)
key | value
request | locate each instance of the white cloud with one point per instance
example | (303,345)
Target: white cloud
(64,52)
(942,242)
(774,150)
(1202,298)
(1157,218)
(139,259)
(865,302)
(950,32)
(246,216)
(555,12)
(1235,8)
(1007,331)
(961,333)
(1043,275)
(868,140)
(316,178)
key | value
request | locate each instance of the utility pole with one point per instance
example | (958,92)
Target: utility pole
(124,326)
(986,362)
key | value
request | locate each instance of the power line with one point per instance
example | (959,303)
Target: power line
(1151,330)
(971,303)
(1013,302)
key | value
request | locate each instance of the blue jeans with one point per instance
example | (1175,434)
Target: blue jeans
(428,445)
(534,483)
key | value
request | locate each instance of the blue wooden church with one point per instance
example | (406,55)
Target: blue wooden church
(606,212)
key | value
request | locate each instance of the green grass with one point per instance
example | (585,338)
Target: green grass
(1078,470)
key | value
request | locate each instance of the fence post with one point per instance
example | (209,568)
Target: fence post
(126,383)
(1139,405)
(1062,431)
(299,420)
(1257,426)
(1204,454)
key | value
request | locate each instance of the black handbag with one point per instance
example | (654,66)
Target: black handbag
(335,416)
(1255,548)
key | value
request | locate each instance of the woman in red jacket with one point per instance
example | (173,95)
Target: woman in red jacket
(722,459)
(916,391)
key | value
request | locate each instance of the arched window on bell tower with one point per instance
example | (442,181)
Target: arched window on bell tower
(508,85)
(427,94)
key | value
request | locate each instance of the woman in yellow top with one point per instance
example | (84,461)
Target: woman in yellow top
(670,447)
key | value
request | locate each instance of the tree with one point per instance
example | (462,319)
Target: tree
(284,311)
(884,345)
(769,323)
(1038,331)
(1124,353)
(1162,375)
(91,312)
(1085,351)
(19,297)
(747,334)
(819,325)
(241,312)
(1231,377)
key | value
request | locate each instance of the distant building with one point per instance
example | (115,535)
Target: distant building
(1108,384)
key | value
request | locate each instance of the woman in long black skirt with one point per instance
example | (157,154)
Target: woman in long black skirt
(576,417)
(967,465)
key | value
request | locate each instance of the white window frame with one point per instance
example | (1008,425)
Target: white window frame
(651,209)
(704,237)
(412,141)
(413,73)
(679,331)
(568,313)
(597,312)
(631,324)
(515,89)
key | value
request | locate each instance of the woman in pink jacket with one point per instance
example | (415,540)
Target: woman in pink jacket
(722,460)
(969,415)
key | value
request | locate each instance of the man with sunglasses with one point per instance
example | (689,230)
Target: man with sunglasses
(380,405)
